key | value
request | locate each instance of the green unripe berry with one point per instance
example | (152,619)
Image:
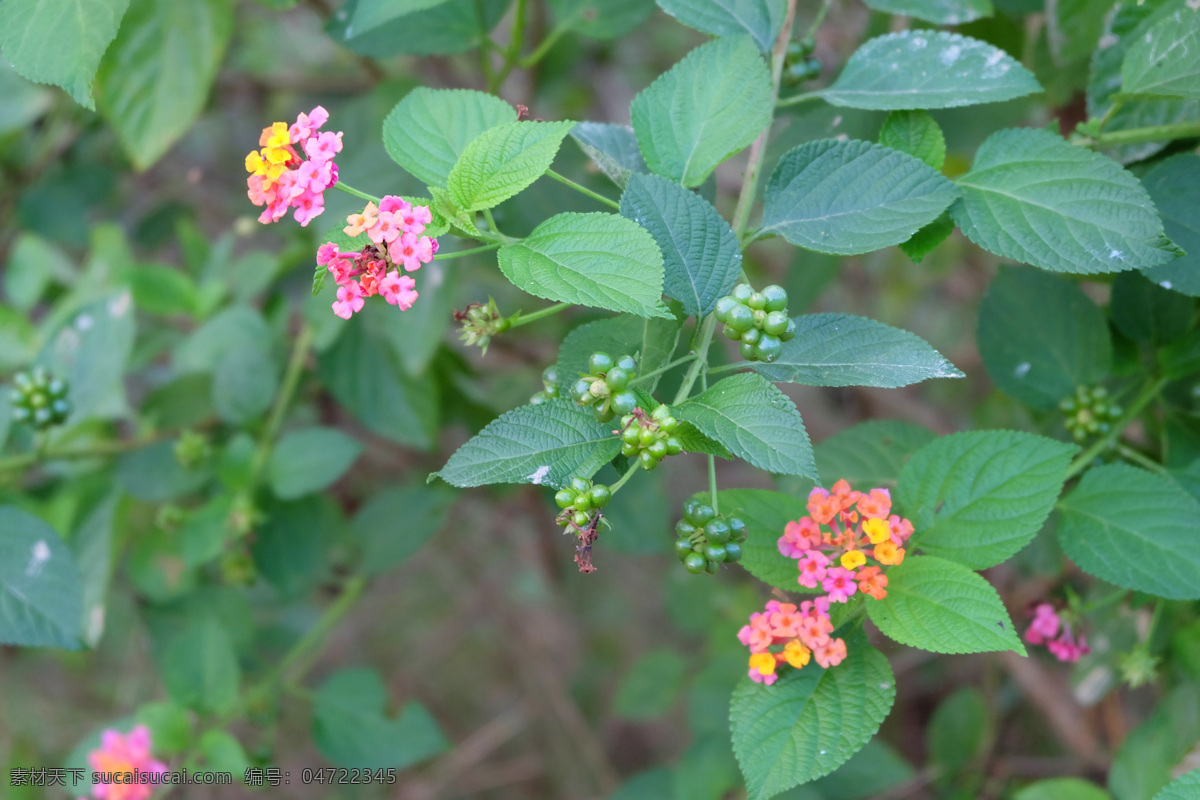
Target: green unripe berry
(1115,412)
(737,529)
(581,519)
(624,402)
(550,376)
(703,514)
(674,446)
(599,388)
(647,437)
(776,297)
(563,498)
(757,301)
(617,379)
(1068,405)
(669,424)
(689,507)
(717,531)
(38,400)
(775,323)
(748,351)
(742,292)
(538,398)
(807,45)
(769,348)
(715,552)
(580,388)
(712,567)
(1099,393)
(695,563)
(683,549)
(789,333)
(600,363)
(685,529)
(760,317)
(23,382)
(647,461)
(627,363)
(599,494)
(631,435)
(731,333)
(42,417)
(795,52)
(733,553)
(562,522)
(61,409)
(724,306)
(741,318)
(752,336)
(628,449)
(657,448)
(603,413)
(660,412)
(583,501)
(812,69)
(580,485)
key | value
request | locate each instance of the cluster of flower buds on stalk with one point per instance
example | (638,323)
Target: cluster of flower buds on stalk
(581,502)
(550,382)
(479,323)
(40,399)
(707,539)
(605,387)
(649,437)
(1088,412)
(757,320)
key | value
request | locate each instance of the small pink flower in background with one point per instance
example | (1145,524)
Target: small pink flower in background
(1044,626)
(799,537)
(127,754)
(839,583)
(350,300)
(324,146)
(398,290)
(326,253)
(1052,630)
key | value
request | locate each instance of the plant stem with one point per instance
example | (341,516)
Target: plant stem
(665,368)
(704,334)
(512,54)
(1112,110)
(97,450)
(1107,600)
(1148,393)
(712,483)
(1152,133)
(291,379)
(487,214)
(818,19)
(519,319)
(568,182)
(798,99)
(624,478)
(461,253)
(543,48)
(1129,454)
(351,190)
(728,367)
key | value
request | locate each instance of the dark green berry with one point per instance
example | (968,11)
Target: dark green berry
(627,363)
(748,351)
(624,402)
(539,398)
(757,301)
(580,388)
(775,323)
(712,567)
(683,549)
(603,413)
(617,379)
(550,376)
(733,553)
(724,306)
(647,437)
(657,448)
(789,333)
(600,363)
(731,333)
(769,348)
(674,446)
(684,529)
(695,563)
(581,519)
(564,498)
(647,461)
(600,495)
(715,552)
(807,45)
(631,435)
(702,514)
(776,297)
(737,529)
(669,424)
(580,485)
(741,318)
(751,336)
(628,449)
(717,531)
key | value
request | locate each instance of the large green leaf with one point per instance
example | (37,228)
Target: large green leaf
(199,666)
(765,514)
(600,19)
(850,197)
(704,109)
(91,351)
(810,721)
(41,603)
(1150,752)
(1174,186)
(1035,356)
(928,69)
(502,161)
(59,41)
(845,350)
(310,459)
(395,523)
(756,421)
(1146,312)
(1185,787)
(600,260)
(650,341)
(613,148)
(544,444)
(701,254)
(651,686)
(762,19)
(872,453)
(943,607)
(1134,529)
(154,80)
(351,729)
(979,497)
(383,28)
(1032,197)
(939,12)
(1166,61)
(429,129)
(917,133)
(958,729)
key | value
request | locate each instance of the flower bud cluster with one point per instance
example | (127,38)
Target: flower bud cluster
(40,399)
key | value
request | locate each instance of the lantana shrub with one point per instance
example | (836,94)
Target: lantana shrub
(881,532)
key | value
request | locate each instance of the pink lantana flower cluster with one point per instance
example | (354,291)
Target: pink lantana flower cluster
(795,635)
(280,179)
(127,756)
(394,228)
(1052,630)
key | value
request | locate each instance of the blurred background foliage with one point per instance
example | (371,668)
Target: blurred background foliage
(132,262)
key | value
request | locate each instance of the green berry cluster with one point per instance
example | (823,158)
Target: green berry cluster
(800,66)
(581,503)
(40,399)
(1088,412)
(707,539)
(649,437)
(758,320)
(606,386)
(550,381)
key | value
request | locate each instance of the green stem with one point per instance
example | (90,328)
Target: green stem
(728,367)
(1129,454)
(1159,605)
(461,253)
(1148,393)
(704,337)
(1107,600)
(519,319)
(512,54)
(712,483)
(1152,133)
(665,368)
(491,221)
(624,478)
(817,20)
(1112,110)
(291,380)
(97,450)
(543,48)
(797,99)
(568,182)
(351,190)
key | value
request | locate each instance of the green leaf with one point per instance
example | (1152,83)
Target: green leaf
(765,514)
(383,28)
(162,289)
(702,256)
(939,12)
(1146,757)
(871,453)
(1041,358)
(33,265)
(429,129)
(1032,197)
(1174,186)
(1185,787)
(915,133)
(613,148)
(810,721)
(1146,312)
(756,421)
(200,668)
(600,19)
(1133,529)
(651,686)
(943,607)
(289,548)
(362,374)
(244,384)
(155,78)
(41,603)
(979,497)
(845,350)
(310,459)
(871,772)
(502,161)
(1062,789)
(92,547)
(652,784)
(222,752)
(958,729)
(852,197)
(351,727)
(928,69)
(599,260)
(710,105)
(59,41)
(25,102)
(1166,61)
(1073,29)
(91,351)
(650,341)
(153,474)
(544,444)
(170,725)
(928,239)
(762,19)
(235,328)
(396,523)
